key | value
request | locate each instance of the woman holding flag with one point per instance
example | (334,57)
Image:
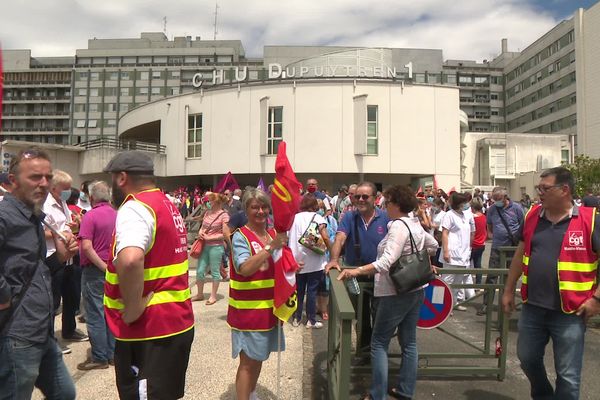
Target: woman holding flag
(250,315)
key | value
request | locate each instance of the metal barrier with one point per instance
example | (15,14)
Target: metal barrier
(339,340)
(462,363)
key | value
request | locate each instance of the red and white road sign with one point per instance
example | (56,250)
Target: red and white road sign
(437,305)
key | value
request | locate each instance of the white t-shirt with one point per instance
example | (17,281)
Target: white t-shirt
(460,226)
(312,261)
(134,227)
(57,216)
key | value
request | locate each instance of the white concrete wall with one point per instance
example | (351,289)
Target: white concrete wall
(418,129)
(587,54)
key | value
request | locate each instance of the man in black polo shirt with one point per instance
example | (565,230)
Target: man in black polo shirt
(558,258)
(29,353)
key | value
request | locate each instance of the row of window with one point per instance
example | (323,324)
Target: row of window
(126,75)
(275,132)
(558,125)
(539,94)
(542,55)
(106,107)
(542,74)
(36,77)
(548,109)
(37,92)
(93,123)
(158,60)
(128,91)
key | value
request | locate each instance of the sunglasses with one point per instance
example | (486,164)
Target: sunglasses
(363,197)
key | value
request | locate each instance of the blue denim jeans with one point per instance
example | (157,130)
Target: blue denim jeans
(476,255)
(402,312)
(25,365)
(536,327)
(101,339)
(308,284)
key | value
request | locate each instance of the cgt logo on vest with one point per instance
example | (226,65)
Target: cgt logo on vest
(576,241)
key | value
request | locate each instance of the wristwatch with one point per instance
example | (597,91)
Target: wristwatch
(268,248)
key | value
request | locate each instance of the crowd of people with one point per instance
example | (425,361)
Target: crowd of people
(121,246)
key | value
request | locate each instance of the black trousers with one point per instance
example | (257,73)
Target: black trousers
(66,284)
(153,369)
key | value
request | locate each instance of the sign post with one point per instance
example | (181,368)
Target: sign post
(437,305)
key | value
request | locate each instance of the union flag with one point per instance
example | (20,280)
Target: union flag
(285,200)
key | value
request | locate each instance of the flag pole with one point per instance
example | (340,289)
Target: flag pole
(278,358)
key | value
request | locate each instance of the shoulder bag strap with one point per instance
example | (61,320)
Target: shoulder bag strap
(510,234)
(413,244)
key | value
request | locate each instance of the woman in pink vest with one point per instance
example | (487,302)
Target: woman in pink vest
(250,315)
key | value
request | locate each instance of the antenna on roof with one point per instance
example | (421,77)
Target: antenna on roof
(215,25)
(165,25)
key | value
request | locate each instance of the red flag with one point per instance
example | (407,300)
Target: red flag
(285,201)
(420,189)
(227,182)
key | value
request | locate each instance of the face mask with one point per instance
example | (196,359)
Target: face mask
(65,194)
(321,212)
(466,207)
(499,203)
(83,197)
(430,199)
(311,189)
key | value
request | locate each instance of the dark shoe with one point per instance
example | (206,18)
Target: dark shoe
(88,365)
(111,362)
(64,349)
(76,336)
(81,319)
(395,393)
(481,311)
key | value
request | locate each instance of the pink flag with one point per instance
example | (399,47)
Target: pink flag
(227,182)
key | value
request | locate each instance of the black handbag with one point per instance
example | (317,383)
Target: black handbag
(413,270)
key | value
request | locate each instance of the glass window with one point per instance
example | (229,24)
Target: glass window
(125,91)
(145,60)
(110,91)
(160,59)
(274,129)
(124,75)
(80,123)
(94,76)
(372,112)
(114,60)
(155,90)
(93,107)
(143,90)
(83,75)
(82,92)
(144,75)
(194,136)
(110,122)
(94,92)
(93,123)
(114,76)
(110,107)
(174,90)
(123,107)
(174,74)
(129,60)
(156,74)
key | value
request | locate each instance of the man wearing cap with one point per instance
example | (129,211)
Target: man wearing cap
(146,294)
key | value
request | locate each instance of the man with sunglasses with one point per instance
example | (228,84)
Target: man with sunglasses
(361,230)
(29,353)
(557,255)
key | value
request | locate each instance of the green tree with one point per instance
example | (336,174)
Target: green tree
(586,172)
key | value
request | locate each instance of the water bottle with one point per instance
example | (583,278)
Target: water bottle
(352,285)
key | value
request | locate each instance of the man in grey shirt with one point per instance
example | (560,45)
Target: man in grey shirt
(29,353)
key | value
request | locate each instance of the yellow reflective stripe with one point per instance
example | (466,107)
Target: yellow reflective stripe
(575,286)
(167,296)
(524,279)
(250,304)
(525,260)
(579,267)
(261,284)
(150,274)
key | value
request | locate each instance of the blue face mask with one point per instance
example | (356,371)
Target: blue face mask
(499,203)
(65,194)
(82,196)
(321,212)
(466,207)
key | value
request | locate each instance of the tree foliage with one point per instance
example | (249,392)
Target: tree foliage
(586,172)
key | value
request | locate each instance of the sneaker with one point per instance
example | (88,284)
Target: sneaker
(64,349)
(295,323)
(460,308)
(316,325)
(76,336)
(88,365)
(482,311)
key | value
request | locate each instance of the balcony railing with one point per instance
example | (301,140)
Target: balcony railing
(108,143)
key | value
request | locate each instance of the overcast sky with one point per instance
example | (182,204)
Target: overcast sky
(463,29)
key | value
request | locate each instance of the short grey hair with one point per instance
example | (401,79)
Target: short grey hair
(500,191)
(255,194)
(99,191)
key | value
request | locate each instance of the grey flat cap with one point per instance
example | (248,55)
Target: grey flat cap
(131,161)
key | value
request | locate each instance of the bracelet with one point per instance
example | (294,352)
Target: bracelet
(596,298)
